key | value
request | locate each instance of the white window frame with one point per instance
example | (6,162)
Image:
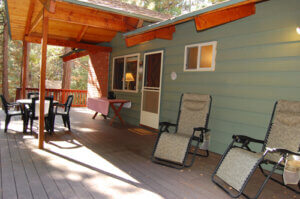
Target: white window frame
(124,73)
(199,45)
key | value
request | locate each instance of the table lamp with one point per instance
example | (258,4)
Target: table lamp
(129,78)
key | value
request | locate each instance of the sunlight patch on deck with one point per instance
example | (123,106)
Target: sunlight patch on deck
(77,163)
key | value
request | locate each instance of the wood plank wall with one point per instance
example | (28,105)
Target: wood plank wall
(257,63)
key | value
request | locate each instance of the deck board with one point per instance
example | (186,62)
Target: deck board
(21,181)
(98,161)
(8,182)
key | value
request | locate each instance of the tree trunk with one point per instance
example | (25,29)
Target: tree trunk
(67,70)
(5,63)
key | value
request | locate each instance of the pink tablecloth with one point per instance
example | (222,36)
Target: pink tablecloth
(100,105)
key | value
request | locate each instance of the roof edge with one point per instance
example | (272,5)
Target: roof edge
(116,11)
(184,16)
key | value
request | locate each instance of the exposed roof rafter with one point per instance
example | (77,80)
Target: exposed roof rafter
(67,43)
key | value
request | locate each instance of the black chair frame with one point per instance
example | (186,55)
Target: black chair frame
(36,94)
(164,128)
(6,106)
(67,108)
(29,115)
(241,141)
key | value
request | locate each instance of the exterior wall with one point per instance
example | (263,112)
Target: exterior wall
(257,63)
(98,74)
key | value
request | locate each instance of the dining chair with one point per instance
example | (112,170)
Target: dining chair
(65,113)
(31,95)
(32,113)
(8,112)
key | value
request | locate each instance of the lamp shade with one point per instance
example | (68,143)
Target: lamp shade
(129,77)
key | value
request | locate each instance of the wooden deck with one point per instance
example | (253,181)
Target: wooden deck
(96,160)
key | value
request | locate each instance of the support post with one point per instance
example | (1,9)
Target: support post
(43,78)
(24,68)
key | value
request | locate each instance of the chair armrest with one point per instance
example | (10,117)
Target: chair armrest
(202,129)
(164,126)
(200,137)
(245,139)
(282,151)
(58,105)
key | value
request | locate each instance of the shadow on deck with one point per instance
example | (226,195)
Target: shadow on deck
(96,160)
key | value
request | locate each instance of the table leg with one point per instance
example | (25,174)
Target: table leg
(117,111)
(95,115)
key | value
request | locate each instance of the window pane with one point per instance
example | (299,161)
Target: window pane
(206,56)
(118,73)
(131,73)
(191,57)
(152,70)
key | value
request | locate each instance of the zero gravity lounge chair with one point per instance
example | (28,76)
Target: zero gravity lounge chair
(172,149)
(239,162)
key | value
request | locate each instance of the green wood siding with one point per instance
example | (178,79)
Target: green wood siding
(257,63)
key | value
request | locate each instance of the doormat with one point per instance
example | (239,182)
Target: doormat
(141,131)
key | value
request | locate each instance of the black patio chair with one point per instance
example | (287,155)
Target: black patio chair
(31,95)
(8,112)
(65,114)
(172,149)
(239,162)
(32,113)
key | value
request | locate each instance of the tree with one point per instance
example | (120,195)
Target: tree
(173,7)
(4,54)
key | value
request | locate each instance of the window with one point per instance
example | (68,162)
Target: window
(125,73)
(200,57)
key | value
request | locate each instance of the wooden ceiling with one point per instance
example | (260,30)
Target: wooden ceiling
(67,22)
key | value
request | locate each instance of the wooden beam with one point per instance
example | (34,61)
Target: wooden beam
(213,19)
(75,55)
(92,19)
(163,33)
(43,78)
(81,33)
(24,68)
(68,43)
(140,23)
(29,17)
(49,5)
(36,22)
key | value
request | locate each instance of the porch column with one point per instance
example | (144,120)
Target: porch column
(43,78)
(24,68)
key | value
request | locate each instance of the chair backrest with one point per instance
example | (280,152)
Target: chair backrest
(284,128)
(32,95)
(194,112)
(48,107)
(68,103)
(4,104)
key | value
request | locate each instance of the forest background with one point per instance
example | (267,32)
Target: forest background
(11,52)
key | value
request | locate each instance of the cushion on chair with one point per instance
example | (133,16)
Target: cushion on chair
(285,131)
(194,110)
(236,167)
(172,147)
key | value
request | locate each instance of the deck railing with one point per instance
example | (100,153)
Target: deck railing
(61,95)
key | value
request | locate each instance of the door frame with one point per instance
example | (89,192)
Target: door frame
(160,83)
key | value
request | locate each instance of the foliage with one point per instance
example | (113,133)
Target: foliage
(173,7)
